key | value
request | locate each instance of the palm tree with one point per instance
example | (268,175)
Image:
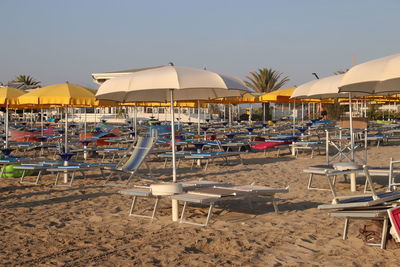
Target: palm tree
(26,80)
(264,81)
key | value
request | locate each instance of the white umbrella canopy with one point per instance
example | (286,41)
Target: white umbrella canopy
(327,87)
(379,76)
(187,83)
(323,88)
(170,83)
(302,90)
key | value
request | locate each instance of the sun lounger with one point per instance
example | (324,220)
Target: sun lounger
(317,170)
(379,214)
(66,169)
(210,196)
(145,191)
(211,156)
(305,146)
(38,166)
(137,157)
(359,201)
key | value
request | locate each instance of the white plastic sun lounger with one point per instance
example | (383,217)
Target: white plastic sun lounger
(380,214)
(144,191)
(361,200)
(211,156)
(210,196)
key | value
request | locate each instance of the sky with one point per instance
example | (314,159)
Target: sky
(67,40)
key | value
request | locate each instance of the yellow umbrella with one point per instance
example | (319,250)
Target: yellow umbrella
(280,95)
(246,98)
(9,96)
(65,94)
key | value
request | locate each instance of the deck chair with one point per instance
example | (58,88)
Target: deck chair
(144,191)
(375,198)
(140,151)
(210,196)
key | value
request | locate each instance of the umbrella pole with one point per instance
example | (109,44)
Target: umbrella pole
(175,208)
(66,132)
(41,121)
(230,115)
(6,124)
(198,117)
(66,144)
(351,128)
(85,126)
(135,120)
(294,117)
(302,112)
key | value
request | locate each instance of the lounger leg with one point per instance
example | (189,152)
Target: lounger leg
(21,181)
(206,165)
(275,204)
(72,178)
(155,207)
(384,233)
(310,181)
(57,176)
(107,179)
(332,187)
(132,206)
(346,228)
(209,213)
(165,163)
(183,212)
(129,178)
(38,176)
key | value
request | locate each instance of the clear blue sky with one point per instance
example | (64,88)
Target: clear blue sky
(58,41)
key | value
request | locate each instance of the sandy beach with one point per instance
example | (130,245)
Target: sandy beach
(87,225)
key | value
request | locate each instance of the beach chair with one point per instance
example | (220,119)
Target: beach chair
(366,200)
(212,155)
(210,196)
(140,151)
(367,214)
(145,191)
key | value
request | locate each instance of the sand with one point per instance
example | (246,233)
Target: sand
(87,225)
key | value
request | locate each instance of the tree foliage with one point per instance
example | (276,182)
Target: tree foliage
(266,80)
(26,80)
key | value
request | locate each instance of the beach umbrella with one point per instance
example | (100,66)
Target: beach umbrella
(170,83)
(379,76)
(65,95)
(8,97)
(325,88)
